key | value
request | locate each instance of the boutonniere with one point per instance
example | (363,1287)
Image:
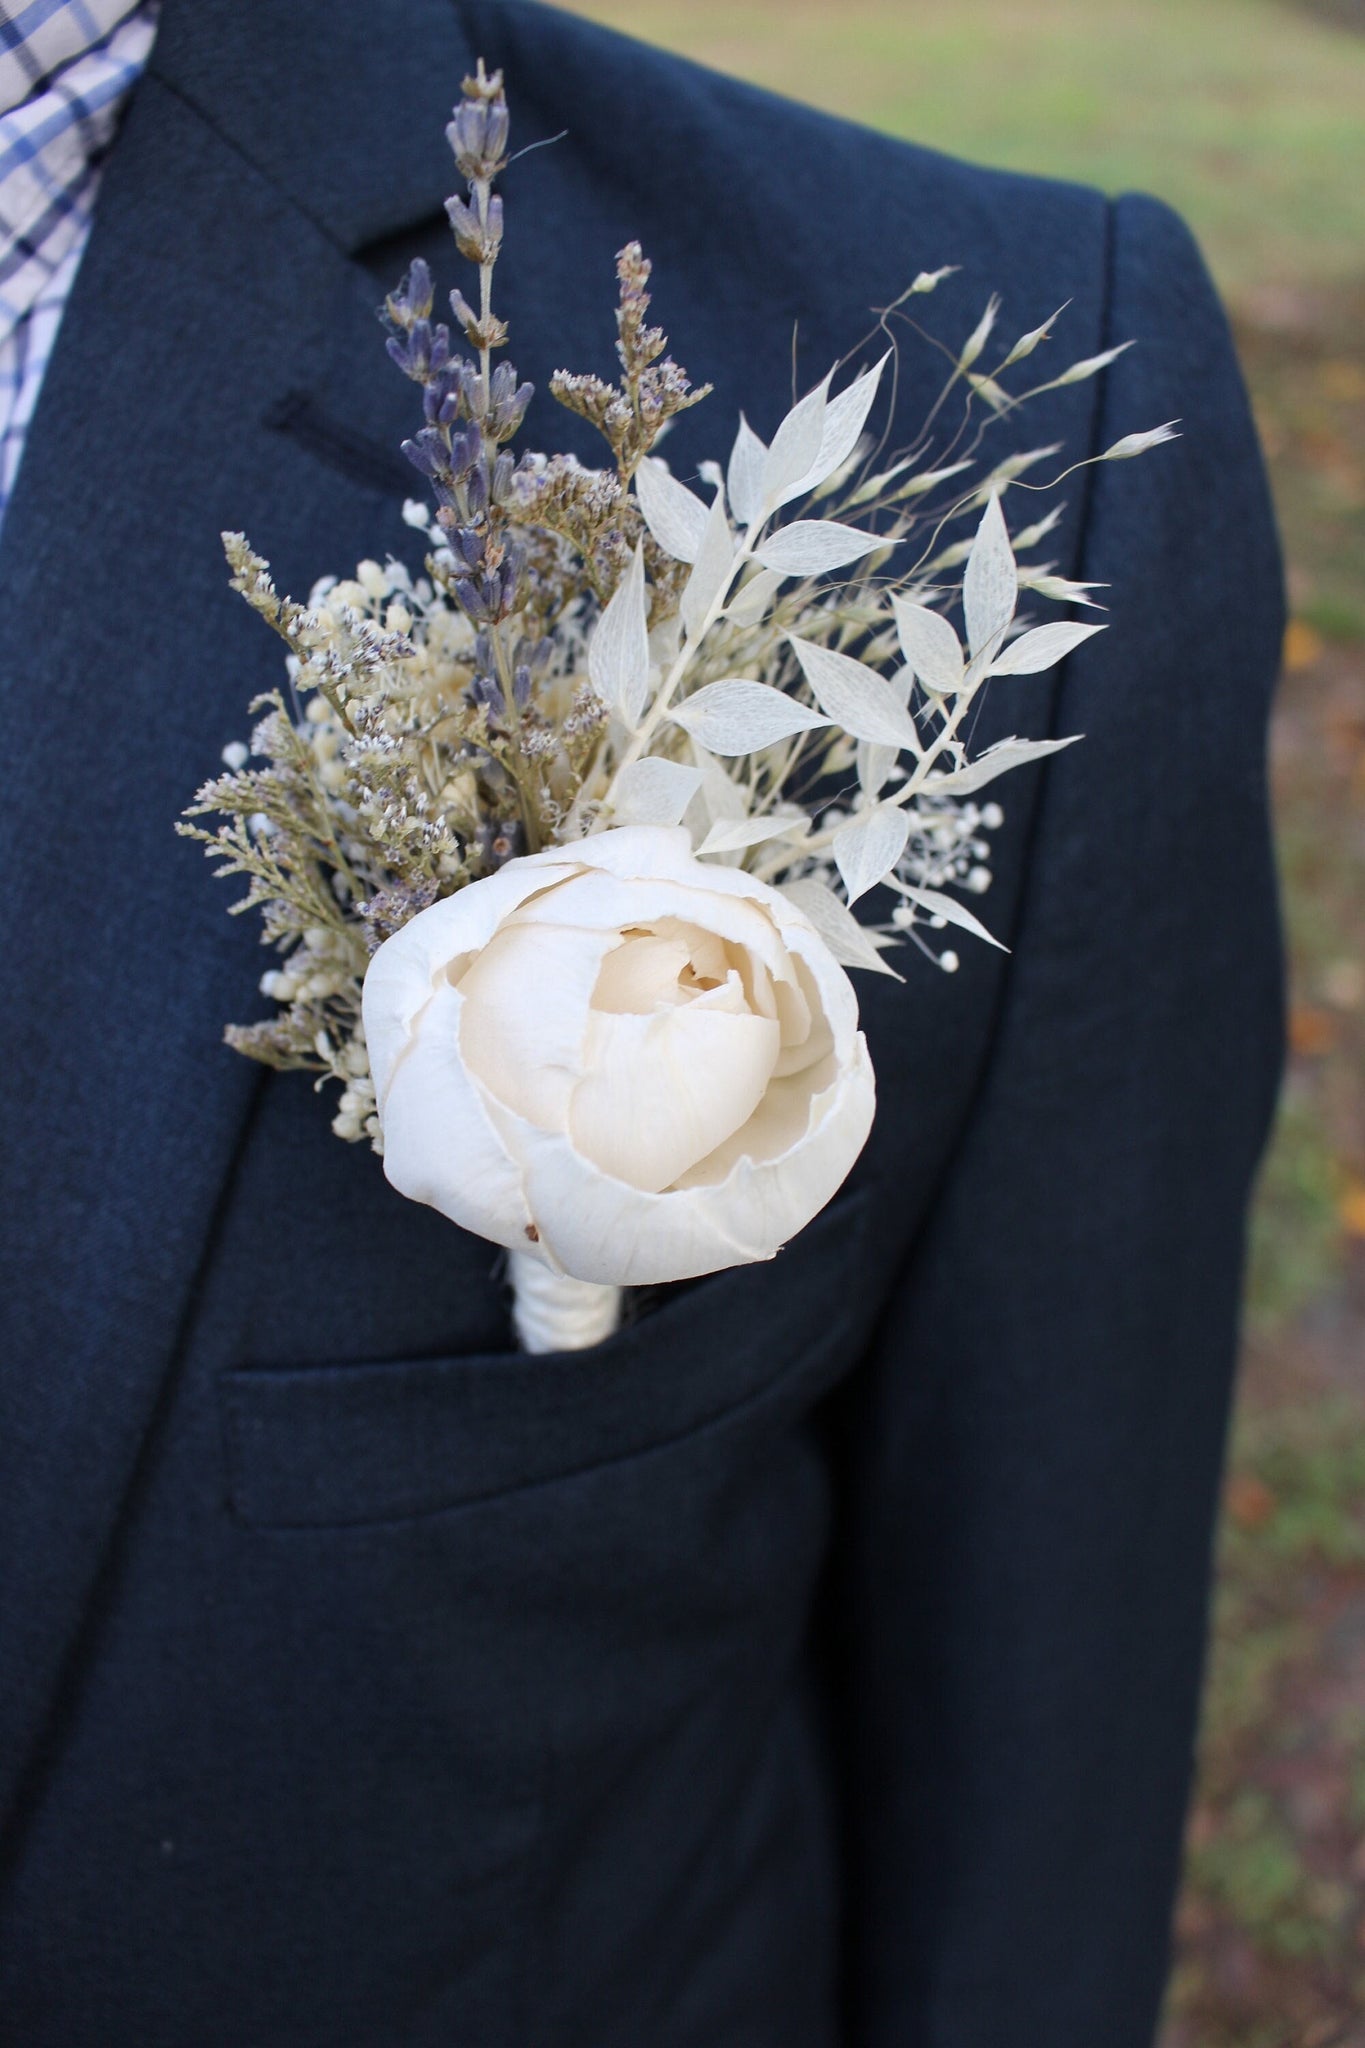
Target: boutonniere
(561,843)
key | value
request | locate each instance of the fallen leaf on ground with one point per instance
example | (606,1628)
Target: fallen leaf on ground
(1250,1502)
(1351,1208)
(1312,1032)
(1302,645)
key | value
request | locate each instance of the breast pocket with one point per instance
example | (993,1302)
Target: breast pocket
(342,1445)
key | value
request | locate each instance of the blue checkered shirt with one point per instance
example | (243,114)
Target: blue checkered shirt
(66,70)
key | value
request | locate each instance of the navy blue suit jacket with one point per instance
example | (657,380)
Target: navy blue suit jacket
(815,1664)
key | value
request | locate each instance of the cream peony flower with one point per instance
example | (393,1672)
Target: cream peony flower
(635,1065)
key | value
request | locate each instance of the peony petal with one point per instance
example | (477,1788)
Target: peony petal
(439,1144)
(642,974)
(526,1000)
(760,990)
(404,971)
(600,1229)
(777,1194)
(727,998)
(661,1092)
(807,1036)
(601,902)
(833,991)
(781,1120)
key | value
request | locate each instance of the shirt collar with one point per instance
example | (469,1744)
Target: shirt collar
(40,39)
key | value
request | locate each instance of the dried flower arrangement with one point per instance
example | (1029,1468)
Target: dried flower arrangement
(599,674)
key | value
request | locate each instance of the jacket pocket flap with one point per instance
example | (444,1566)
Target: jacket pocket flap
(331,1445)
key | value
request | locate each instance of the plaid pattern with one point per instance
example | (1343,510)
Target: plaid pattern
(66,69)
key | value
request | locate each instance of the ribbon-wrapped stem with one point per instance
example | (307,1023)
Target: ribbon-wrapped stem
(551,1312)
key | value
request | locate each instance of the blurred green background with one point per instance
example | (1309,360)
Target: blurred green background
(1249,116)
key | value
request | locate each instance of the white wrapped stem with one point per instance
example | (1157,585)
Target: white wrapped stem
(551,1312)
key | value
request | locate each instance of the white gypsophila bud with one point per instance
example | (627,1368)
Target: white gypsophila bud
(949,962)
(992,817)
(416,514)
(372,579)
(236,756)
(979,880)
(693,1095)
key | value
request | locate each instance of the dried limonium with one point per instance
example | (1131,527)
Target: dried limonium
(596,647)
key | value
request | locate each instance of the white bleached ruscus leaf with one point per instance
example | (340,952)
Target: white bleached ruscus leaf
(720,800)
(737,716)
(1032,652)
(1003,755)
(711,570)
(930,646)
(868,847)
(855,696)
(734,836)
(744,476)
(794,448)
(845,417)
(952,912)
(752,601)
(674,515)
(874,764)
(808,547)
(653,791)
(990,586)
(837,926)
(874,761)
(618,653)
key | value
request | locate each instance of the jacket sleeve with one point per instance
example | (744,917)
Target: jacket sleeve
(1037,1435)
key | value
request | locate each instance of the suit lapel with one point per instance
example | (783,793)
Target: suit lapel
(207,297)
